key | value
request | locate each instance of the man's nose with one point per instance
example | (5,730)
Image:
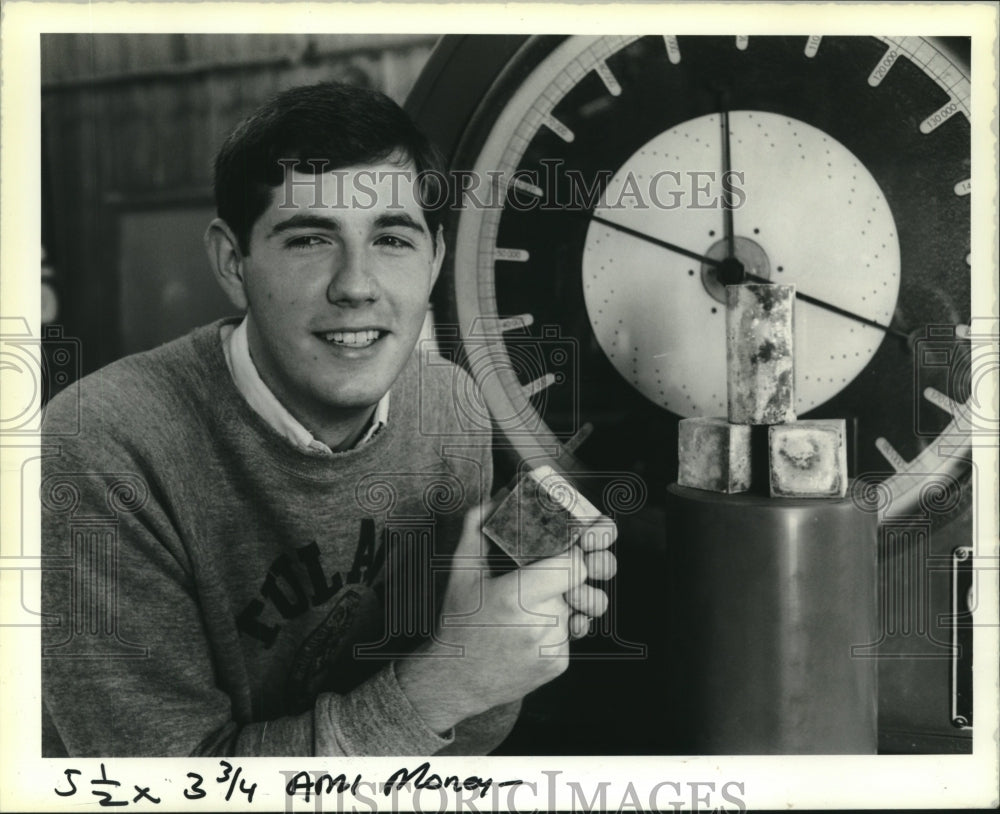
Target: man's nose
(352,282)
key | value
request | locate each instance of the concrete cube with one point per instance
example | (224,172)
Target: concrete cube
(714,455)
(543,516)
(808,458)
(759,364)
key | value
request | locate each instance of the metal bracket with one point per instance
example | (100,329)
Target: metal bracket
(962,603)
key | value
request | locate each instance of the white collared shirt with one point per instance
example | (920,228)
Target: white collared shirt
(266,404)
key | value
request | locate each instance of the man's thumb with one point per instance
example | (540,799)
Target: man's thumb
(470,558)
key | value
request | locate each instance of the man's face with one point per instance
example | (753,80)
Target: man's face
(337,292)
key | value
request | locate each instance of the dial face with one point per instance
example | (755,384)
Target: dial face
(645,303)
(635,168)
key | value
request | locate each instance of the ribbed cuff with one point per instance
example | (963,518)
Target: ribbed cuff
(375,718)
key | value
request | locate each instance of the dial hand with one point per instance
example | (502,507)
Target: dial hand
(836,309)
(711,261)
(727,184)
(731,271)
(673,247)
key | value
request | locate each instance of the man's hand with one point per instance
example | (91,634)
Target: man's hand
(502,637)
(590,602)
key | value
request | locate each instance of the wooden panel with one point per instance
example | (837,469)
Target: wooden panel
(79,57)
(77,151)
(167,285)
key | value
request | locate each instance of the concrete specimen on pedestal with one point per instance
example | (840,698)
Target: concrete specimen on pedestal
(808,458)
(543,516)
(759,365)
(713,455)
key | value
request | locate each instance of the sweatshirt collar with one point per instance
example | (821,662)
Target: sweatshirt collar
(263,401)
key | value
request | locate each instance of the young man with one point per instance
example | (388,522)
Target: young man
(262,522)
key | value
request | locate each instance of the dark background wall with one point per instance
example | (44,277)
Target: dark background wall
(130,126)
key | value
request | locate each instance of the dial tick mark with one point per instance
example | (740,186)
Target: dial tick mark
(894,459)
(558,128)
(524,186)
(940,400)
(610,82)
(939,117)
(884,64)
(514,255)
(673,49)
(492,326)
(538,385)
(516,323)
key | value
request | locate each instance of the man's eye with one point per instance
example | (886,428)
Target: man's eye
(305,242)
(394,242)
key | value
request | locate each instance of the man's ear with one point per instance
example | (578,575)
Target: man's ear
(227,261)
(438,254)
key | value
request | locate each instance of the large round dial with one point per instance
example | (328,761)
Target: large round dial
(630,168)
(615,186)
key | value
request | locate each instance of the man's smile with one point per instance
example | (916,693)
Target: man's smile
(356,338)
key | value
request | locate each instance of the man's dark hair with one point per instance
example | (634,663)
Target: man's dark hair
(330,123)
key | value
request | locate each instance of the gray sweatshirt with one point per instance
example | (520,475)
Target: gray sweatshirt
(210,590)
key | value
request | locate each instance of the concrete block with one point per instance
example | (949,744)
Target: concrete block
(542,516)
(714,455)
(808,458)
(759,362)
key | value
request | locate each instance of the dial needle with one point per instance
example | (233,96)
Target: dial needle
(727,189)
(711,261)
(673,247)
(836,309)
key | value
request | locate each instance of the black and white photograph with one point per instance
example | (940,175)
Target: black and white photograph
(580,413)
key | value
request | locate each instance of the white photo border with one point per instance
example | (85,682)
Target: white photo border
(27,782)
